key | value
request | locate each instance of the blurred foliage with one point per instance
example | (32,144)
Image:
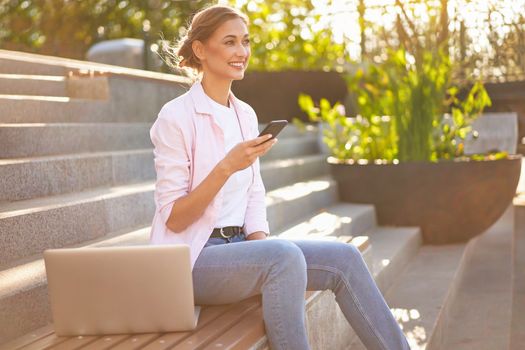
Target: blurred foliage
(451,131)
(282,34)
(485,39)
(350,137)
(284,38)
(68,28)
(290,34)
(400,111)
(411,90)
(493,47)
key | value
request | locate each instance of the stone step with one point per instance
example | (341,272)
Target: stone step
(23,84)
(282,172)
(27,178)
(456,296)
(52,109)
(419,294)
(340,219)
(12,65)
(16,62)
(33,140)
(30,226)
(480,314)
(74,218)
(517,329)
(293,147)
(17,108)
(290,203)
(23,291)
(393,248)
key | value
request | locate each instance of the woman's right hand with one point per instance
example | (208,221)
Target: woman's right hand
(245,153)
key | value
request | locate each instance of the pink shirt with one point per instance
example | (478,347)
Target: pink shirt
(188,144)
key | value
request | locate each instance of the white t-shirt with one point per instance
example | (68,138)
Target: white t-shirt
(235,190)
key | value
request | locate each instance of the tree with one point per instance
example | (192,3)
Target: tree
(68,28)
(283,37)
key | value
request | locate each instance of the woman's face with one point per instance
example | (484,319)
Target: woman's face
(226,52)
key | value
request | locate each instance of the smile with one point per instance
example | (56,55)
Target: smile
(237,64)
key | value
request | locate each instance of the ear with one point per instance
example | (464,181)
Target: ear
(198,49)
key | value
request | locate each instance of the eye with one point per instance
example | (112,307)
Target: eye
(247,42)
(229,42)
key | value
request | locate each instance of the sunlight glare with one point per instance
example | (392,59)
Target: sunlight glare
(295,191)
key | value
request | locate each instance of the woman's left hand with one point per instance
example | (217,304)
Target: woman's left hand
(256,235)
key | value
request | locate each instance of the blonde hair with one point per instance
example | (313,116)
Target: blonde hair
(202,26)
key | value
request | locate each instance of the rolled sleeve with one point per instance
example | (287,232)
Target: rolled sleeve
(172,164)
(255,219)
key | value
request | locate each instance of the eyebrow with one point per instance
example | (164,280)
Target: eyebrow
(233,36)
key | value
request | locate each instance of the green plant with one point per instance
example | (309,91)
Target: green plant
(411,90)
(353,138)
(451,131)
(286,36)
(413,93)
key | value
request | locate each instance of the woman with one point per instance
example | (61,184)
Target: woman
(209,195)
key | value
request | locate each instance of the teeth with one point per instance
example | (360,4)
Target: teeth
(236,64)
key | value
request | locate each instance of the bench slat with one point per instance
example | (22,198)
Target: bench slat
(27,339)
(106,342)
(208,316)
(137,341)
(77,342)
(209,332)
(243,335)
(45,343)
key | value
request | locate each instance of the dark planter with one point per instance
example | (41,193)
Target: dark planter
(450,201)
(273,95)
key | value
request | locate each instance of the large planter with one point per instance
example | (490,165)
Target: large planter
(273,95)
(450,201)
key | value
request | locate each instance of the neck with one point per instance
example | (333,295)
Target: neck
(217,89)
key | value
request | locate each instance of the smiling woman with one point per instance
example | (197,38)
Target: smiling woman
(209,195)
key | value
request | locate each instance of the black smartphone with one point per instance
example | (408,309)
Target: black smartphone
(274,128)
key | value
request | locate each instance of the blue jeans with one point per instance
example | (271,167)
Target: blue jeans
(282,270)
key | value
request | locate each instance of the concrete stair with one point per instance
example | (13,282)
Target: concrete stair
(79,172)
(41,139)
(480,316)
(517,322)
(40,85)
(456,296)
(58,109)
(76,175)
(34,177)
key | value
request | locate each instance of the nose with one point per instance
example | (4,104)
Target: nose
(242,51)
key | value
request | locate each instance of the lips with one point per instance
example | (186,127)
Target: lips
(238,65)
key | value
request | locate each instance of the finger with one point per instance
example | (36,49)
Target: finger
(264,147)
(258,140)
(267,149)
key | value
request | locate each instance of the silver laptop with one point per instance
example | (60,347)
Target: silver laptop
(121,290)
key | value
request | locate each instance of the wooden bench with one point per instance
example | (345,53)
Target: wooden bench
(233,326)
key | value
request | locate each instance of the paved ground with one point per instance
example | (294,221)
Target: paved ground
(481,314)
(517,339)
